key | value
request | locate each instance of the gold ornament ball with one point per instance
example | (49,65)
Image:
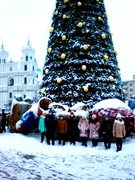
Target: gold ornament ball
(63,37)
(56,12)
(49,50)
(79,3)
(66,0)
(51,30)
(124,91)
(47,71)
(42,92)
(63,56)
(111,34)
(80,24)
(97,0)
(106,15)
(84,67)
(103,36)
(115,52)
(58,80)
(106,57)
(99,18)
(64,16)
(119,73)
(85,47)
(85,88)
(111,78)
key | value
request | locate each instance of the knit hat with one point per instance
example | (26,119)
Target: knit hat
(72,113)
(107,116)
(50,111)
(94,116)
(118,115)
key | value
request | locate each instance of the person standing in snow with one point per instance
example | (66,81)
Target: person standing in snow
(94,128)
(107,131)
(119,131)
(72,128)
(61,129)
(83,126)
(42,127)
(50,124)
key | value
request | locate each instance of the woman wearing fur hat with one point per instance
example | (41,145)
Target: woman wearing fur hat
(42,127)
(83,126)
(94,128)
(119,131)
(107,131)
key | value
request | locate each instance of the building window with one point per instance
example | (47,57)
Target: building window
(25,68)
(131,90)
(11,82)
(33,81)
(33,68)
(31,57)
(26,58)
(10,68)
(10,95)
(4,61)
(25,80)
(0,61)
(130,84)
(24,96)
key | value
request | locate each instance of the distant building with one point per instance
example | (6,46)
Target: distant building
(129,86)
(18,78)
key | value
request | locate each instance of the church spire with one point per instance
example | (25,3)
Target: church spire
(28,42)
(2,46)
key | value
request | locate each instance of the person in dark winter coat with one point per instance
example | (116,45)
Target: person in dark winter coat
(72,128)
(119,131)
(50,124)
(131,103)
(107,131)
(94,128)
(42,127)
(83,126)
(61,129)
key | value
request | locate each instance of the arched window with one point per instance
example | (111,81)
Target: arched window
(26,58)
(25,68)
(11,82)
(25,80)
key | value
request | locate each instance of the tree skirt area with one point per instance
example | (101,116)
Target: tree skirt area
(25,158)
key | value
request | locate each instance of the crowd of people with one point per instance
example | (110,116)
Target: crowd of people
(69,129)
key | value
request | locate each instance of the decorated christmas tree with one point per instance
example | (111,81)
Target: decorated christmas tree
(81,62)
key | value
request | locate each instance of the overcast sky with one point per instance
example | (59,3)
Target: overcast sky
(20,18)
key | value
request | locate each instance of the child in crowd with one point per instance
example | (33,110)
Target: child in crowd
(42,127)
(107,131)
(61,129)
(72,128)
(83,126)
(119,131)
(94,128)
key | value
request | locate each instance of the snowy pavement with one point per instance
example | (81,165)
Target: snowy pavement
(25,158)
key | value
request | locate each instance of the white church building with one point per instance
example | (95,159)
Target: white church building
(18,78)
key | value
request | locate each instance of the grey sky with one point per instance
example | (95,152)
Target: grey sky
(20,18)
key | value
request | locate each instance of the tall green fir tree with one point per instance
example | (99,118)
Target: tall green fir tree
(81,63)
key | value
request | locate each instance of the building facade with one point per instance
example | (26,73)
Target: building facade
(18,78)
(129,86)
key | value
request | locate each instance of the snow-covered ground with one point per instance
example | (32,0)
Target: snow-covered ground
(23,157)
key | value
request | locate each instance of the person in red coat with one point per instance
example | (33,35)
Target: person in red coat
(94,128)
(61,129)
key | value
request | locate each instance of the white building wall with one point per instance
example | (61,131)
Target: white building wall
(16,71)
